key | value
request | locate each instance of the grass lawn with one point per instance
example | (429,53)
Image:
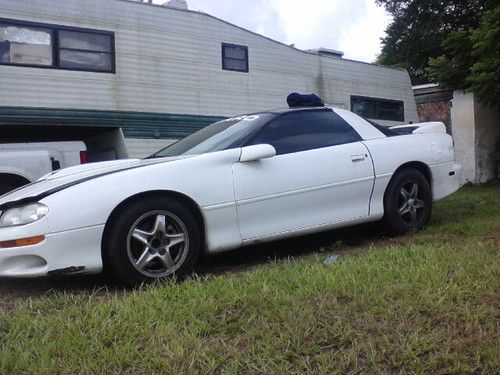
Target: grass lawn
(425,303)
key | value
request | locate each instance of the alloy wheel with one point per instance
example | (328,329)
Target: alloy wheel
(157,244)
(410,204)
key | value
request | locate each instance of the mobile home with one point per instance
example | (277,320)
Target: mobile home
(95,70)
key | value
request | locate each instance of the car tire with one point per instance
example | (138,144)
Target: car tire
(151,239)
(407,202)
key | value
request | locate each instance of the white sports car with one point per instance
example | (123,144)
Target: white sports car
(240,181)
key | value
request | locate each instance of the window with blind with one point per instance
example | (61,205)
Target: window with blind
(234,57)
(58,47)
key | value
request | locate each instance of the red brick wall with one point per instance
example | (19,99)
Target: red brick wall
(436,111)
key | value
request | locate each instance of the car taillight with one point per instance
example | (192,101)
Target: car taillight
(84,158)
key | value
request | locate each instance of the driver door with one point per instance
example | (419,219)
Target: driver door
(322,174)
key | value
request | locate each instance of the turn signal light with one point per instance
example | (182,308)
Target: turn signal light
(21,242)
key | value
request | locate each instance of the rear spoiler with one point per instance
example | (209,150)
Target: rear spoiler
(421,128)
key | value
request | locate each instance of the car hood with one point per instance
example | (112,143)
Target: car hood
(90,169)
(63,178)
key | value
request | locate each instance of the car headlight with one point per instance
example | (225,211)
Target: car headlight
(23,215)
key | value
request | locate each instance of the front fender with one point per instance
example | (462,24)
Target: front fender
(206,179)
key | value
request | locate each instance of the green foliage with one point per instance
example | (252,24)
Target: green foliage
(452,68)
(422,304)
(485,72)
(420,27)
(471,59)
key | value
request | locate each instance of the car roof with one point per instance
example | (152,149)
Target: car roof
(295,109)
(280,111)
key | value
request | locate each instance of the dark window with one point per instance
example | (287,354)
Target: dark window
(83,50)
(378,109)
(234,57)
(60,47)
(306,130)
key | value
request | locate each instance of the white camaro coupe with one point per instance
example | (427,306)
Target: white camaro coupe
(240,181)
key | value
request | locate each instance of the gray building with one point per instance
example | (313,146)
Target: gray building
(86,68)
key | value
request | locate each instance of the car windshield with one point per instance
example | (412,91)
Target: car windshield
(222,135)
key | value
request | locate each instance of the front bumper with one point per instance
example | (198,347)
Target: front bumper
(68,252)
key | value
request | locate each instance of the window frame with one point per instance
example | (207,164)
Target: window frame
(402,119)
(250,139)
(223,54)
(55,45)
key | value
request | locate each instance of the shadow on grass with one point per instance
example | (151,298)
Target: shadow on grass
(341,240)
(236,261)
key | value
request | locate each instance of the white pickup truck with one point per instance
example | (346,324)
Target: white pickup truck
(22,163)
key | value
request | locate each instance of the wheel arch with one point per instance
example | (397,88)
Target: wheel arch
(391,208)
(419,166)
(184,199)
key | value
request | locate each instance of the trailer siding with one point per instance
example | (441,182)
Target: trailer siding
(169,80)
(169,61)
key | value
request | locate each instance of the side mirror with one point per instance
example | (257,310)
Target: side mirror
(256,152)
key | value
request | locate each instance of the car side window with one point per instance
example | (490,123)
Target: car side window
(306,130)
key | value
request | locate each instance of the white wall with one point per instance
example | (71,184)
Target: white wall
(169,61)
(462,119)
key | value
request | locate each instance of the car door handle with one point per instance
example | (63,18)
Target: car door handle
(358,157)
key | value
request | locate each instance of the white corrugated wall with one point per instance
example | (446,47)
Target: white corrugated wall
(169,61)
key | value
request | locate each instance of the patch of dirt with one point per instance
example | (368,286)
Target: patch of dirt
(13,291)
(494,183)
(494,236)
(493,301)
(349,240)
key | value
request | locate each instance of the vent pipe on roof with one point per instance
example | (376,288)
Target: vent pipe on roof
(177,4)
(326,52)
